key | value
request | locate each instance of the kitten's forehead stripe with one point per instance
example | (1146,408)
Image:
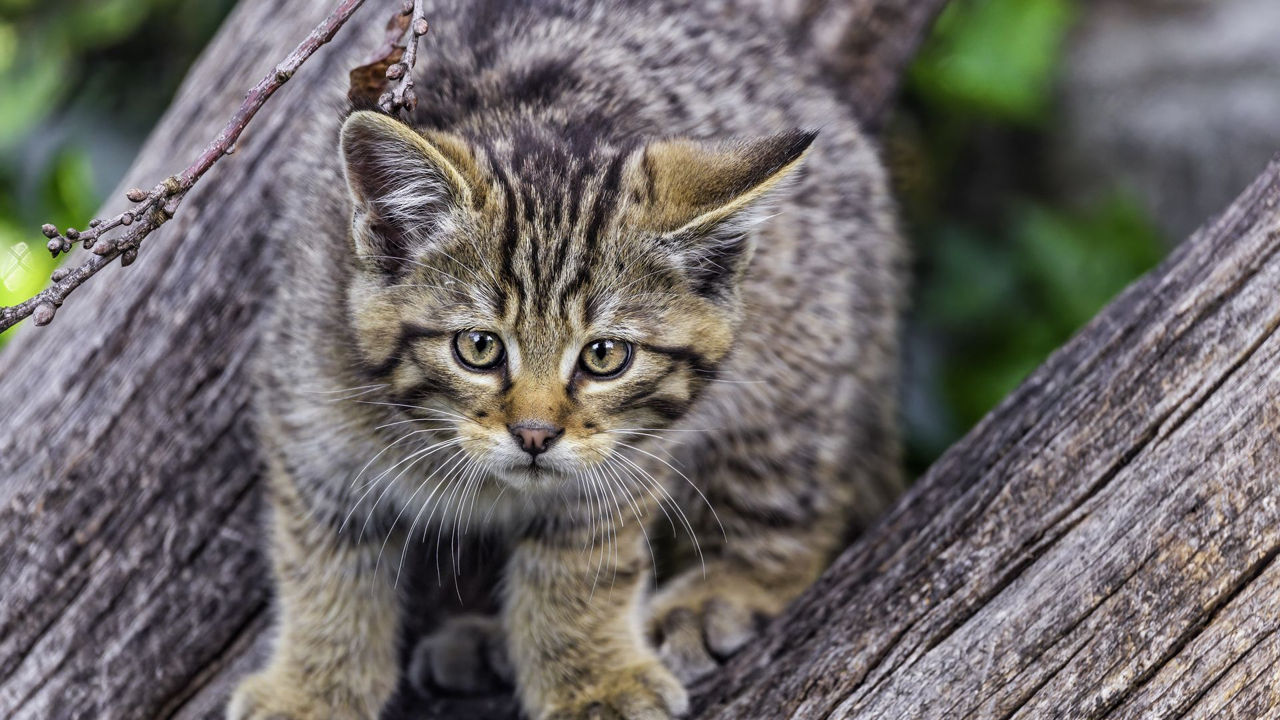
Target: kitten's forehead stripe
(510,235)
(606,201)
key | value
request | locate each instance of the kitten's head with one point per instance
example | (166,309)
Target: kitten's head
(543,301)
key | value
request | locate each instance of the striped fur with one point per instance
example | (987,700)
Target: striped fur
(638,171)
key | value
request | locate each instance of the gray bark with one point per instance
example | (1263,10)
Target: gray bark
(131,579)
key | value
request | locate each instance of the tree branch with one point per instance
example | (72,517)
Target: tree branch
(153,209)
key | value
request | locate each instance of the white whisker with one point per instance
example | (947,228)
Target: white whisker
(413,457)
(686,479)
(404,506)
(652,482)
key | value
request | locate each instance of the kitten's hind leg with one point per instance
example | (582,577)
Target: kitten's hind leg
(697,622)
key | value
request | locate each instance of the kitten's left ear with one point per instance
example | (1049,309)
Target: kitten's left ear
(705,198)
(408,188)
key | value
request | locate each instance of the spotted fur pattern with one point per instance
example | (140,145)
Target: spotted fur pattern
(643,172)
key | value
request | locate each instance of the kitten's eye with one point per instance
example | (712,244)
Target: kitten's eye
(477,349)
(605,358)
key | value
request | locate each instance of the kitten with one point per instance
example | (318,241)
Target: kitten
(606,277)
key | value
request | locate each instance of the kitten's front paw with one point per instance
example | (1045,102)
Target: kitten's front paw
(465,655)
(279,693)
(698,623)
(268,696)
(642,692)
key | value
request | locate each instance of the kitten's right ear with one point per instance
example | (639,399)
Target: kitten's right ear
(408,190)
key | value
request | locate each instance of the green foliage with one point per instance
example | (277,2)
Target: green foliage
(998,304)
(81,82)
(1006,270)
(994,57)
(66,196)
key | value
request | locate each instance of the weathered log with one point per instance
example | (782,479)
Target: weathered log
(131,580)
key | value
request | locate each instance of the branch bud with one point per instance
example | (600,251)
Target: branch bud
(49,231)
(406,7)
(127,258)
(136,195)
(395,72)
(103,247)
(420,27)
(72,233)
(59,275)
(126,219)
(55,246)
(43,314)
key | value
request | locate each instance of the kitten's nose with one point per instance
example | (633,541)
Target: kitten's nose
(534,436)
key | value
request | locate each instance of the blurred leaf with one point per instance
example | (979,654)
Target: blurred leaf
(969,282)
(993,304)
(994,56)
(103,22)
(69,193)
(29,90)
(1080,261)
(8,45)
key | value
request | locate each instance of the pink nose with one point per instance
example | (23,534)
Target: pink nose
(535,437)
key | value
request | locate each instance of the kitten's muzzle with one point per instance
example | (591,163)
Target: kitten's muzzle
(535,437)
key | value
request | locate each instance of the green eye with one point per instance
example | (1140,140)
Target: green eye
(477,349)
(605,358)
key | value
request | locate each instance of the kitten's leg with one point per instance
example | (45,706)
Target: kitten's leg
(335,656)
(762,562)
(575,630)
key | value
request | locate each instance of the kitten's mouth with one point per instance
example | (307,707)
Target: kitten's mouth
(533,475)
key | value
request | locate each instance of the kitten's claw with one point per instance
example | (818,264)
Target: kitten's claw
(642,692)
(466,655)
(696,626)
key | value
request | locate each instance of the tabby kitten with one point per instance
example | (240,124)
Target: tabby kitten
(599,281)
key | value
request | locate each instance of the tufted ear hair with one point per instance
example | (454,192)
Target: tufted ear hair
(409,189)
(704,199)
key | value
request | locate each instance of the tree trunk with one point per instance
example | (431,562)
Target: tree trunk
(131,579)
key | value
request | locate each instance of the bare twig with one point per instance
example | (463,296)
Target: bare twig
(400,95)
(153,209)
